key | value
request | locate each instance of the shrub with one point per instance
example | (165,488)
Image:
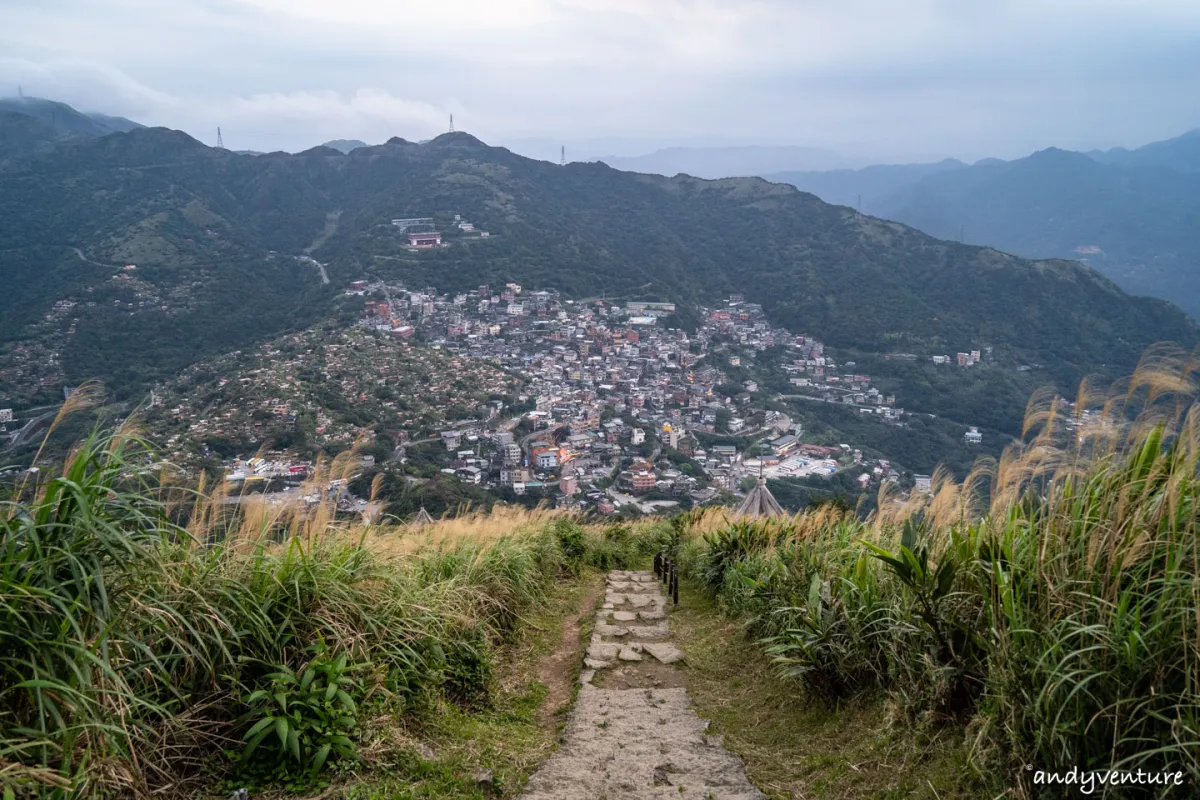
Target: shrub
(572,540)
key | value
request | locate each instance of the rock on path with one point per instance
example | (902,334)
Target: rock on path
(640,742)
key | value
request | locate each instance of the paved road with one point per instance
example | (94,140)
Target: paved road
(26,432)
(317,264)
(646,507)
(82,257)
(398,453)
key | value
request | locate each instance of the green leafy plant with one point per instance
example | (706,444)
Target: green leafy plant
(310,714)
(957,655)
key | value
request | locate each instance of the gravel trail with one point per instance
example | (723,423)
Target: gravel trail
(633,733)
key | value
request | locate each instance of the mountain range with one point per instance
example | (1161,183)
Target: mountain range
(1134,215)
(344,145)
(731,161)
(215,240)
(29,124)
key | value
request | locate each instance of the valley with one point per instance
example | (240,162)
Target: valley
(836,437)
(284,309)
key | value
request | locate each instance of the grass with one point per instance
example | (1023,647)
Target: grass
(155,647)
(795,748)
(1046,611)
(439,756)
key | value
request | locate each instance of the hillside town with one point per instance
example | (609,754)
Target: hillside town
(595,405)
(619,407)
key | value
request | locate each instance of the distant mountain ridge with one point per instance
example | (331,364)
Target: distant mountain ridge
(1181,154)
(344,145)
(214,236)
(1132,214)
(730,162)
(28,124)
(852,187)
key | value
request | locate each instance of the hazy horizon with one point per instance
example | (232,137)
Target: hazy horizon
(873,81)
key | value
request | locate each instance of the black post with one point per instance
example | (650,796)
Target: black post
(674,583)
(666,576)
(658,565)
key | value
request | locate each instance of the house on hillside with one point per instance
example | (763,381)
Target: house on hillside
(424,239)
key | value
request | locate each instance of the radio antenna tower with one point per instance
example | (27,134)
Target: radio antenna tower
(562,158)
(452,123)
(220,141)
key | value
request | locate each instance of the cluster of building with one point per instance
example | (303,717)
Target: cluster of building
(422,234)
(968,359)
(614,401)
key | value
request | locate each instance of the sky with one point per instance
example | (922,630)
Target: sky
(881,80)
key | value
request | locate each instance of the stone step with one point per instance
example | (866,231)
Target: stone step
(638,743)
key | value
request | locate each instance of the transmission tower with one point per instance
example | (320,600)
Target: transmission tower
(452,123)
(220,141)
(562,158)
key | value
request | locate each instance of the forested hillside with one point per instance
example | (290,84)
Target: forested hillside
(201,225)
(1137,224)
(1130,214)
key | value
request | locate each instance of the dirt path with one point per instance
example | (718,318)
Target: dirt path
(633,733)
(557,669)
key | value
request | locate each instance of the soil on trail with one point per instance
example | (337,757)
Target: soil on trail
(557,669)
(633,733)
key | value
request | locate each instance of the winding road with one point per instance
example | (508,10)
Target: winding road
(85,259)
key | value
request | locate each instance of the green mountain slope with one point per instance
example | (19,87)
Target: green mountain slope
(199,224)
(116,124)
(21,134)
(60,115)
(32,124)
(1140,225)
(850,187)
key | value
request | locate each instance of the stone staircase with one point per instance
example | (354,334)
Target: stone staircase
(633,733)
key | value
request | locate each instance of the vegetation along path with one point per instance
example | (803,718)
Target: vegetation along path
(633,733)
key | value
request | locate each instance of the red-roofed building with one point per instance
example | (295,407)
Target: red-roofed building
(426,239)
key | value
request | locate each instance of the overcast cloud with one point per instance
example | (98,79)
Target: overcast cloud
(885,78)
